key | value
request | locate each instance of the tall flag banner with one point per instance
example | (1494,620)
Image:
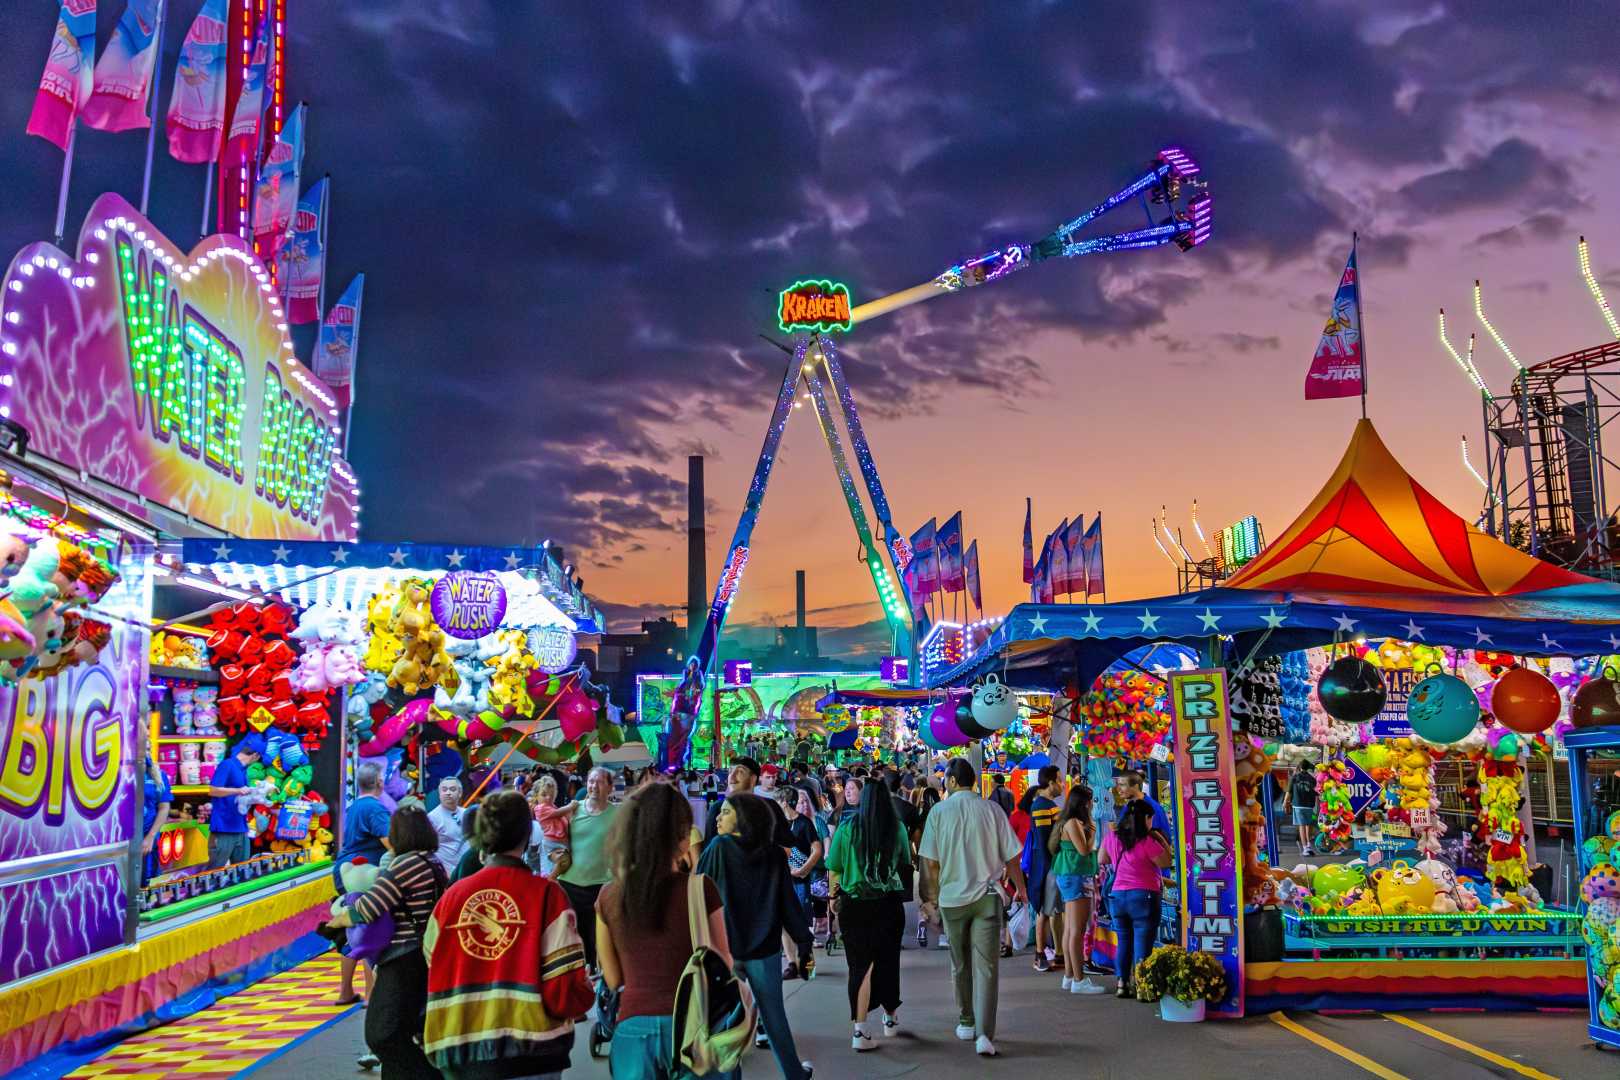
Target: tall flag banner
(1029,544)
(336,344)
(1043,573)
(1077,563)
(250,102)
(970,574)
(1059,560)
(914,590)
(302,258)
(925,557)
(66,85)
(275,196)
(197,102)
(123,79)
(1339,368)
(1092,546)
(949,542)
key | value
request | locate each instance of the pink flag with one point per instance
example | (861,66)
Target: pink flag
(197,102)
(1077,562)
(65,86)
(123,81)
(337,344)
(302,259)
(275,196)
(1338,370)
(1059,560)
(970,571)
(250,102)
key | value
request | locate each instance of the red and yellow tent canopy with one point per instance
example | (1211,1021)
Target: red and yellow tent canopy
(1374,529)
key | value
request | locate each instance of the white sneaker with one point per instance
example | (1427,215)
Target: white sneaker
(964,1032)
(862,1042)
(984,1047)
(1066,983)
(891,1025)
(943,944)
(1086,986)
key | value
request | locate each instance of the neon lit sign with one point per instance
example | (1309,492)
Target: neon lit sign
(817,306)
(1239,543)
(468,604)
(170,376)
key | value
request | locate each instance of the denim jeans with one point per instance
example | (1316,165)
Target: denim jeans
(764,978)
(642,1048)
(1136,924)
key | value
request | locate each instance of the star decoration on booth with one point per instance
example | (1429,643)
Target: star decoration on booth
(455,558)
(1092,622)
(513,562)
(340,556)
(1149,621)
(1037,624)
(396,557)
(1345,623)
(222,551)
(281,551)
(1482,638)
(1210,620)
(1272,619)
(1414,632)
(1549,643)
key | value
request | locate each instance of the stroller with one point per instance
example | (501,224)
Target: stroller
(607,1018)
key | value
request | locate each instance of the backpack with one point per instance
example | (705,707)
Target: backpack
(714,1021)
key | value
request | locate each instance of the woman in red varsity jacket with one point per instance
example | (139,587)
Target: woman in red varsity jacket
(506,971)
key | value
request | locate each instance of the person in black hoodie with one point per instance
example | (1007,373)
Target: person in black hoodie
(756,892)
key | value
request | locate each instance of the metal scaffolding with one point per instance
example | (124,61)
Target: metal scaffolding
(1545,463)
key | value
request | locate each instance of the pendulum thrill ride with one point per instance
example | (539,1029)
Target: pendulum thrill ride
(1176,201)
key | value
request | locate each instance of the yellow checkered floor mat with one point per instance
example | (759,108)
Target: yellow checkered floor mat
(232,1034)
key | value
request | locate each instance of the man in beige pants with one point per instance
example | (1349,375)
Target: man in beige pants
(967,846)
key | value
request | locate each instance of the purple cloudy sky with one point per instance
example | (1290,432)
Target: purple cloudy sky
(574,220)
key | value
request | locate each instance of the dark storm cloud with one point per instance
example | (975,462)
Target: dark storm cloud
(1511,171)
(575,218)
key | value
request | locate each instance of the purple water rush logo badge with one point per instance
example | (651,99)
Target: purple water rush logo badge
(468,604)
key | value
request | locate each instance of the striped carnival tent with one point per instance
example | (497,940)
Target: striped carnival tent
(1374,555)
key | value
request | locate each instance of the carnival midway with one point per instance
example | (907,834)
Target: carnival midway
(282,797)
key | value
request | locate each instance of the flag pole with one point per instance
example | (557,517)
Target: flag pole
(320,295)
(1361,322)
(208,196)
(151,129)
(67,178)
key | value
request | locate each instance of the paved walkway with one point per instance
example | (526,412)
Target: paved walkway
(1044,1033)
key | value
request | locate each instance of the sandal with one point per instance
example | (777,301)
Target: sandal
(343,1002)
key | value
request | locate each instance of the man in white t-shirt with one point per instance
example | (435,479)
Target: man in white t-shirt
(446,821)
(967,847)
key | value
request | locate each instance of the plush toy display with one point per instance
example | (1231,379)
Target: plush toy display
(1124,716)
(250,648)
(176,650)
(366,940)
(1501,774)
(1333,815)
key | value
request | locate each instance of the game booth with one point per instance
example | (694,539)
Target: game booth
(1501,645)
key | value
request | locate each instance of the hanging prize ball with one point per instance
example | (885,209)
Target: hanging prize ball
(1525,700)
(576,714)
(1597,704)
(925,732)
(942,723)
(1351,690)
(965,723)
(1442,709)
(995,706)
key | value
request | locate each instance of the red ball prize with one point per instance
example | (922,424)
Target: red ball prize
(1525,700)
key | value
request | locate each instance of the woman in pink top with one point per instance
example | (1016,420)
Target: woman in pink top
(1137,852)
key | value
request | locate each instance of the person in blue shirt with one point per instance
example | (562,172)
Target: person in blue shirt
(365,827)
(155,800)
(227,825)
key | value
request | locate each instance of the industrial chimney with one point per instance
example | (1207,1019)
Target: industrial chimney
(697,573)
(798,585)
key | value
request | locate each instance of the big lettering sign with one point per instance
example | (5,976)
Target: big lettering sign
(170,376)
(69,767)
(1206,813)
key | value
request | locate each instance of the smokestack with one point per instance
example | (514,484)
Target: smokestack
(798,586)
(697,572)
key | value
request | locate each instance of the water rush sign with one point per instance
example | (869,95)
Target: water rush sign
(468,604)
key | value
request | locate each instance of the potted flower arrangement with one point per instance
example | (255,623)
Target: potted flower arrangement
(1180,981)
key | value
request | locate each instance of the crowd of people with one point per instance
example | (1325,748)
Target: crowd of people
(513,917)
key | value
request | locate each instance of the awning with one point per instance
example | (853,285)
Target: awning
(859,699)
(305,573)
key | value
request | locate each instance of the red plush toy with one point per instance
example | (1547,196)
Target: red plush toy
(248,646)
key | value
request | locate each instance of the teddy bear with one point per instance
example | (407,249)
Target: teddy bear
(384,647)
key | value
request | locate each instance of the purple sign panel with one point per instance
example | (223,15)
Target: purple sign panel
(69,765)
(468,603)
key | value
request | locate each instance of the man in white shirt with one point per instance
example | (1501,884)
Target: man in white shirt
(967,847)
(446,821)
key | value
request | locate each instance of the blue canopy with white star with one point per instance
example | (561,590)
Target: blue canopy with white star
(308,572)
(1050,645)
